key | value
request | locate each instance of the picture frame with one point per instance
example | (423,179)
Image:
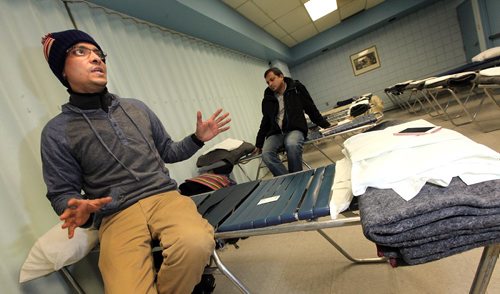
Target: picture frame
(365,60)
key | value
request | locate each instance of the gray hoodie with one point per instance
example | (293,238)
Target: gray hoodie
(122,153)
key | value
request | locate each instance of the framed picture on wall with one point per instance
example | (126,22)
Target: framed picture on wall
(365,61)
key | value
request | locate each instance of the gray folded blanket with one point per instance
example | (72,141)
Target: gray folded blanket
(438,222)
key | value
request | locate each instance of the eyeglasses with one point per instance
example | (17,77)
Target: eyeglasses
(82,51)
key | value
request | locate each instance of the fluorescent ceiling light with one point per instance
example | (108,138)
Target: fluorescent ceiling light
(319,8)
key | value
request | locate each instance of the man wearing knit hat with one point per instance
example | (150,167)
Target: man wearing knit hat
(114,150)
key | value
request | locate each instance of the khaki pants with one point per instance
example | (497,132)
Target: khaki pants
(125,259)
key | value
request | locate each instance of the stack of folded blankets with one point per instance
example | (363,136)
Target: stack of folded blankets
(425,197)
(438,222)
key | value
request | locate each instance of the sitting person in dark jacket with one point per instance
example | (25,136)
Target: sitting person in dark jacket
(283,124)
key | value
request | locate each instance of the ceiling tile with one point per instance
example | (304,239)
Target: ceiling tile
(327,21)
(275,30)
(289,41)
(288,20)
(253,13)
(234,3)
(372,3)
(277,8)
(351,8)
(304,33)
(294,20)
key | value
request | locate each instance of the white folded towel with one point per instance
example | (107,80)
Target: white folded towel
(405,163)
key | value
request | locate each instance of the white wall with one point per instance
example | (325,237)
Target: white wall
(419,45)
(174,74)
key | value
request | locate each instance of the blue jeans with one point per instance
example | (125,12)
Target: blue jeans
(293,143)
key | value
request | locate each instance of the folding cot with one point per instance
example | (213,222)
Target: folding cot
(292,203)
(489,81)
(486,79)
(461,87)
(358,124)
(337,113)
(251,157)
(297,202)
(417,91)
(452,84)
(409,94)
(340,113)
(345,129)
(397,92)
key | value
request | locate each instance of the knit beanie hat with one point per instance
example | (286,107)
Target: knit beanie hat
(55,46)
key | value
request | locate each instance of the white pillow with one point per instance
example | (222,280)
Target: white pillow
(341,188)
(54,250)
(487,54)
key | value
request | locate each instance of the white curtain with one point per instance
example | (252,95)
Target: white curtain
(174,74)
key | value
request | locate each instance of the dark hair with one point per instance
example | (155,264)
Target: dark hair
(275,70)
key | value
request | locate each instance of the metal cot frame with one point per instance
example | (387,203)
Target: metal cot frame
(235,212)
(314,143)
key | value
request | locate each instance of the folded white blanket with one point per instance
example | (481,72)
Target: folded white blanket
(405,163)
(228,144)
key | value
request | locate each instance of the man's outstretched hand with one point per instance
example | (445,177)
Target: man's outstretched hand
(78,212)
(208,129)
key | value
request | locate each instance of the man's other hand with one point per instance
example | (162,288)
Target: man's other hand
(78,212)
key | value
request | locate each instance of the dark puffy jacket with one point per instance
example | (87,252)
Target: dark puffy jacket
(297,101)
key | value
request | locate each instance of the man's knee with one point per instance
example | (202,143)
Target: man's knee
(269,156)
(294,147)
(193,245)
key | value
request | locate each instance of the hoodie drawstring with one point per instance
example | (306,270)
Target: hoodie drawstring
(107,148)
(155,152)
